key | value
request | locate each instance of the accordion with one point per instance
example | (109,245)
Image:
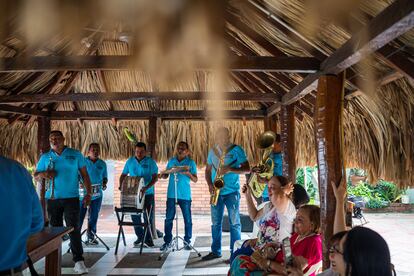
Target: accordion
(131,196)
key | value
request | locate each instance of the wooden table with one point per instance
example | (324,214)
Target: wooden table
(48,243)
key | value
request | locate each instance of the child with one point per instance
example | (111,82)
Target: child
(305,242)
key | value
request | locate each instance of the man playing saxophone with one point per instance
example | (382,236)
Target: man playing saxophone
(225,163)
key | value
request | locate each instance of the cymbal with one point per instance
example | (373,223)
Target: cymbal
(176,169)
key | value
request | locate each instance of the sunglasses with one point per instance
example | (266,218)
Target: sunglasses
(334,250)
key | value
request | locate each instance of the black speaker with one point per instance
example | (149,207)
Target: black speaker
(245,221)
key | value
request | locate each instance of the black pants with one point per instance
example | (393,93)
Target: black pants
(69,209)
(148,206)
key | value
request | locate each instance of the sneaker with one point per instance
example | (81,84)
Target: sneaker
(149,243)
(187,247)
(137,242)
(211,256)
(165,246)
(92,242)
(80,268)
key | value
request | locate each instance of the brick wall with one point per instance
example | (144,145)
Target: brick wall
(199,191)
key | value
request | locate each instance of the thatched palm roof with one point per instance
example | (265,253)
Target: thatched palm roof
(378,123)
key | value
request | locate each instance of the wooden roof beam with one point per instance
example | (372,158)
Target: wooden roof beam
(136,96)
(84,63)
(131,115)
(392,22)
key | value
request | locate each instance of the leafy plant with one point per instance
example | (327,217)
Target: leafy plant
(388,190)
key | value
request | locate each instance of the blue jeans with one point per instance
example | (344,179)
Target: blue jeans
(185,206)
(149,205)
(94,209)
(232,203)
(243,250)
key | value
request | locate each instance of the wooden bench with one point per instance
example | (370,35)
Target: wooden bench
(48,243)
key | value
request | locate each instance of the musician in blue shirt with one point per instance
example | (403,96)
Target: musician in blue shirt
(235,163)
(183,193)
(143,166)
(21,213)
(276,156)
(61,167)
(98,174)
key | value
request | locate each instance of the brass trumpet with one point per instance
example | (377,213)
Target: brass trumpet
(218,181)
(265,167)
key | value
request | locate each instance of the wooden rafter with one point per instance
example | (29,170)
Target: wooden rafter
(135,96)
(393,21)
(83,63)
(130,115)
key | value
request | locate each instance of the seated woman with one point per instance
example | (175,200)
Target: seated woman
(358,252)
(275,218)
(305,242)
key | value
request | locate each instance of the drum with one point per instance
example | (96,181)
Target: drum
(95,190)
(131,195)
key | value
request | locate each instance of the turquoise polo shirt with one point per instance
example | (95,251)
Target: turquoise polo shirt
(143,168)
(67,166)
(235,157)
(183,181)
(20,213)
(97,171)
(277,169)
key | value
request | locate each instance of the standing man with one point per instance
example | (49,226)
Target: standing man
(276,156)
(20,212)
(62,166)
(143,166)
(235,163)
(98,174)
(183,179)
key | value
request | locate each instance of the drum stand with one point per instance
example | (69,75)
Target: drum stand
(173,246)
(95,236)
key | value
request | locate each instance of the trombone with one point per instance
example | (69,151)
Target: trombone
(266,165)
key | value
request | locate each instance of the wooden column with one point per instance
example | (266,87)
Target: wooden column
(329,149)
(152,141)
(287,128)
(43,145)
(43,130)
(152,137)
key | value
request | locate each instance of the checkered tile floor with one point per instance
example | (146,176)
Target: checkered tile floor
(128,261)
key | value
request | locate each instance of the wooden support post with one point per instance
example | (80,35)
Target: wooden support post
(152,141)
(287,126)
(152,137)
(43,145)
(329,149)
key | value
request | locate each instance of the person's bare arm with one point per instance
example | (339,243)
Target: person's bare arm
(39,176)
(193,177)
(208,178)
(154,179)
(87,184)
(254,214)
(340,196)
(244,168)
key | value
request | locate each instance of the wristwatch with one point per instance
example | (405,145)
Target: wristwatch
(268,268)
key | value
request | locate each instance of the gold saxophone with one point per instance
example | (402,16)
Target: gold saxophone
(218,181)
(265,167)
